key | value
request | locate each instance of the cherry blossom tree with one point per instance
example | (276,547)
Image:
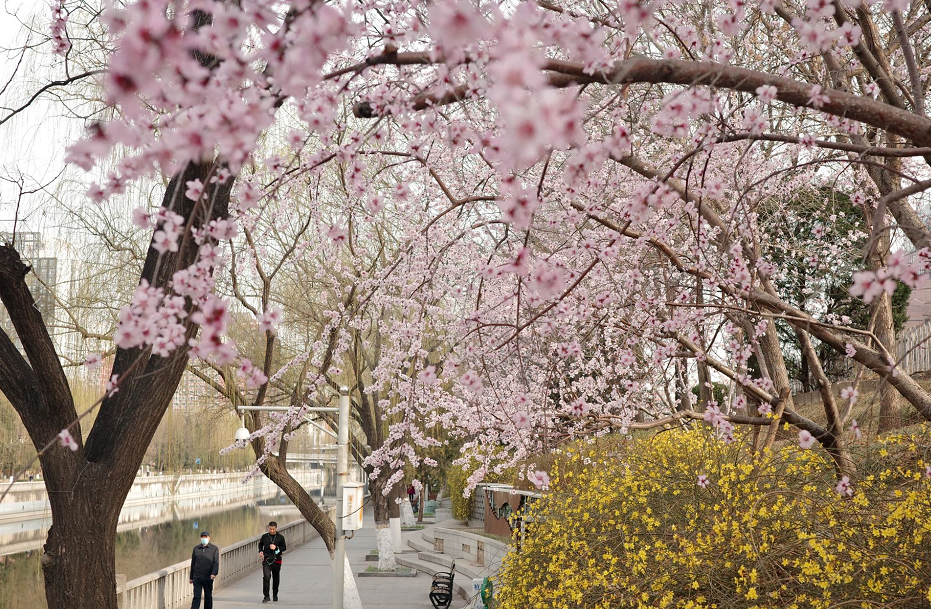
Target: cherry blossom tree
(583,186)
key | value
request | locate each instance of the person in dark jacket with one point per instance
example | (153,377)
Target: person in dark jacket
(271,546)
(205,566)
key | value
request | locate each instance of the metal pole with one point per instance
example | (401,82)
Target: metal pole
(342,476)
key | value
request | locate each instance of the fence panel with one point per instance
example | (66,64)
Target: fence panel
(169,588)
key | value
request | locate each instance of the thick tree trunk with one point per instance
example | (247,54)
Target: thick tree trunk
(779,375)
(397,497)
(834,443)
(407,513)
(87,486)
(683,393)
(890,409)
(382,508)
(78,559)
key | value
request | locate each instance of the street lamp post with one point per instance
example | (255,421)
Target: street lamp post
(342,476)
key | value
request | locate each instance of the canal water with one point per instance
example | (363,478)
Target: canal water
(141,549)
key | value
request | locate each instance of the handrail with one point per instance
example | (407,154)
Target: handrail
(168,588)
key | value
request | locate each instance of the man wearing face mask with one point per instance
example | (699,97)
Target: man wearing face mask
(271,546)
(205,566)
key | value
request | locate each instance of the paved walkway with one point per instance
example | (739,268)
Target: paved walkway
(307,577)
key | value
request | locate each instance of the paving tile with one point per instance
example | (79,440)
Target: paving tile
(307,575)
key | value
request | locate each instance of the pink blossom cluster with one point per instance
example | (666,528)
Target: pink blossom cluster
(717,419)
(153,319)
(59,29)
(870,284)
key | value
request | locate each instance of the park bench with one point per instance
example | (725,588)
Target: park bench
(441,591)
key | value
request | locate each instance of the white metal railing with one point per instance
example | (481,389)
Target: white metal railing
(913,349)
(169,587)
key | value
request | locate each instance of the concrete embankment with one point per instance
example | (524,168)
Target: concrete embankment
(149,495)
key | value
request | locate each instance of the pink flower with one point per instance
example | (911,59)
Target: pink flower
(142,218)
(817,99)
(428,375)
(855,428)
(754,121)
(65,439)
(92,362)
(703,480)
(849,393)
(518,264)
(928,471)
(269,319)
(547,280)
(375,204)
(844,488)
(869,285)
(401,191)
(538,478)
(521,419)
(195,188)
(849,350)
(113,385)
(578,407)
(805,439)
(848,35)
(59,30)
(766,93)
(473,382)
(338,234)
(518,208)
(223,229)
(456,23)
(254,376)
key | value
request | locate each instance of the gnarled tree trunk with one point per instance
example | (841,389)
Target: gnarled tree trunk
(87,486)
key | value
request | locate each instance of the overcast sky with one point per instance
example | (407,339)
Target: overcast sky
(32,144)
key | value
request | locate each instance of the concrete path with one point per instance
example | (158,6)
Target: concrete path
(307,576)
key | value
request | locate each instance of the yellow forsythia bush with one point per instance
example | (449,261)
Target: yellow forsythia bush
(629,525)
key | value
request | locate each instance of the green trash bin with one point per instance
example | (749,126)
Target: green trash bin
(487,593)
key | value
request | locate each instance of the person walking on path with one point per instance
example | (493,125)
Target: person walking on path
(410,492)
(271,546)
(205,566)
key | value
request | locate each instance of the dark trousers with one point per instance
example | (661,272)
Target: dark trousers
(273,572)
(207,586)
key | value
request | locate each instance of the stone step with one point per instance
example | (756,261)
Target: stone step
(462,584)
(435,557)
(469,570)
(419,546)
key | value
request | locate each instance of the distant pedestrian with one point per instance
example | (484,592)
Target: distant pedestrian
(271,546)
(410,492)
(205,566)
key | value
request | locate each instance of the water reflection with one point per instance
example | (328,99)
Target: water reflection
(144,547)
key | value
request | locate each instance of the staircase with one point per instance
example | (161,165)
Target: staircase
(436,547)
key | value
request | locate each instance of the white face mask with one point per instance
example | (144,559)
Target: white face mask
(204,540)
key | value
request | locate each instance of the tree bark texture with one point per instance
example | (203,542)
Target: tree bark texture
(87,487)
